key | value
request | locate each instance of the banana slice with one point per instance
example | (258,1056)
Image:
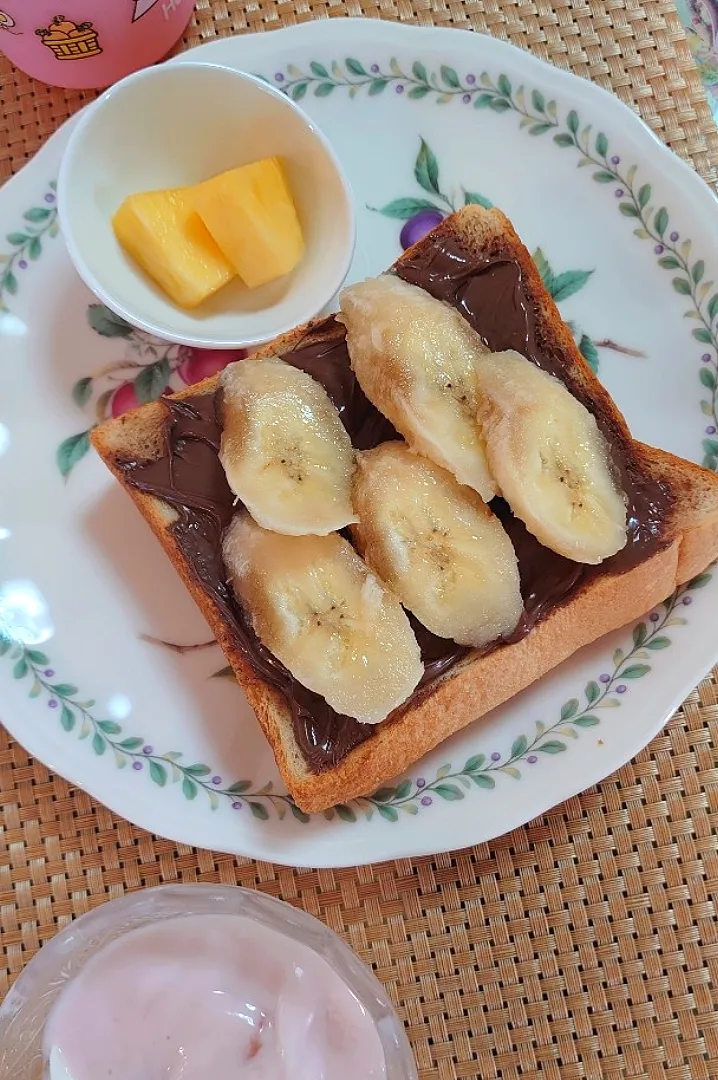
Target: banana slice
(550,460)
(284,449)
(437,546)
(316,605)
(415,360)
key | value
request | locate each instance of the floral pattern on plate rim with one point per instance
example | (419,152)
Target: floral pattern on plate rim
(26,244)
(410,795)
(540,116)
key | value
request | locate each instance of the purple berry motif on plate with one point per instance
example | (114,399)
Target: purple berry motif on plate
(418,226)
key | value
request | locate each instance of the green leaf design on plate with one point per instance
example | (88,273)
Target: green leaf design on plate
(388,812)
(152,380)
(189,788)
(593,692)
(472,198)
(132,743)
(259,811)
(588,351)
(659,643)
(475,763)
(354,67)
(158,773)
(106,323)
(707,378)
(644,195)
(681,286)
(483,780)
(64,689)
(568,283)
(323,89)
(419,71)
(569,709)
(669,262)
(553,746)
(98,743)
(403,209)
(240,787)
(67,718)
(384,794)
(586,721)
(449,792)
(82,391)
(519,746)
(37,214)
(109,727)
(426,169)
(635,671)
(450,77)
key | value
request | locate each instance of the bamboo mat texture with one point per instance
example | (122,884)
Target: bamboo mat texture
(583,945)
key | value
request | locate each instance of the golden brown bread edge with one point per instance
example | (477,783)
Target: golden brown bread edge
(479,683)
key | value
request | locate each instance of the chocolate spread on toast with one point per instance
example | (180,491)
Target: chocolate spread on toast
(491,295)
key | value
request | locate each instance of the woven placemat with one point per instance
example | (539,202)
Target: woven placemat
(584,945)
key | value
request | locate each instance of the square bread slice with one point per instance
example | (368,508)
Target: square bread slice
(600,603)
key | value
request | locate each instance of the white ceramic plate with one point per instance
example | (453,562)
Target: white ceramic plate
(422,120)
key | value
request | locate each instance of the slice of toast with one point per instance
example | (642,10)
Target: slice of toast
(601,602)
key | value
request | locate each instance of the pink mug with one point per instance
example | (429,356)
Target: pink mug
(84,45)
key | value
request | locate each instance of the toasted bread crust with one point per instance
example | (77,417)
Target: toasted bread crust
(480,683)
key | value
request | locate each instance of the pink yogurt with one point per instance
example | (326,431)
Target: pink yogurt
(212,996)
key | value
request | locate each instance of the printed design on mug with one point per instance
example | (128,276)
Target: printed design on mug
(69,40)
(8,23)
(143,6)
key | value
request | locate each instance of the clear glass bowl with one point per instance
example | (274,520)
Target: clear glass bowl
(26,1007)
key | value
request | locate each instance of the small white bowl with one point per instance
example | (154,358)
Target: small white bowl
(178,124)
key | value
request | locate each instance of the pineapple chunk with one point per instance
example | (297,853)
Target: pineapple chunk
(251,215)
(164,234)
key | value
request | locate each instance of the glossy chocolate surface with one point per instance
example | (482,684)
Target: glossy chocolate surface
(491,295)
